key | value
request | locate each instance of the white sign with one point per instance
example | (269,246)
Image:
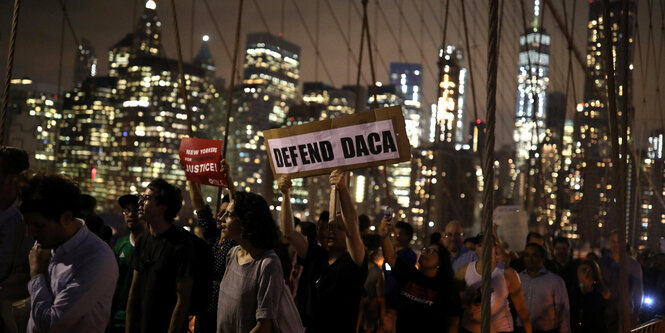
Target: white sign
(335,147)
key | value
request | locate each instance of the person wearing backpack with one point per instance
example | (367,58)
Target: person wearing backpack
(164,264)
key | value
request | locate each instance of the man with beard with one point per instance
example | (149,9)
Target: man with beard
(123,252)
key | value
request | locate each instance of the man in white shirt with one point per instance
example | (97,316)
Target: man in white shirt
(544,292)
(73,272)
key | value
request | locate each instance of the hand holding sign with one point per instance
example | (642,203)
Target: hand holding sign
(284,184)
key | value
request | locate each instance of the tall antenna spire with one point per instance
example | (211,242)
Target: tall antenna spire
(536,14)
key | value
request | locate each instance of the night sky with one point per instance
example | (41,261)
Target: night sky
(104,23)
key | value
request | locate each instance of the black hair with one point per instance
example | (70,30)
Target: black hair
(372,242)
(363,222)
(88,202)
(540,249)
(257,224)
(308,229)
(225,198)
(50,196)
(434,238)
(562,240)
(533,234)
(405,227)
(167,195)
(473,240)
(324,216)
(13,161)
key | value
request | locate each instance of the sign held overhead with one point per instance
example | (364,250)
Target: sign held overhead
(201,161)
(356,141)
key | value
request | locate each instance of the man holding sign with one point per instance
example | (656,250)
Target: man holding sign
(333,276)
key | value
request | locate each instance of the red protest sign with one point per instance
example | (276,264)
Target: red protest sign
(200,158)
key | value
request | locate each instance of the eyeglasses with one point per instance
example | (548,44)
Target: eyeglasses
(429,250)
(453,234)
(144,197)
(127,211)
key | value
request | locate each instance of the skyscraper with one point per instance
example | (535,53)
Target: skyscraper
(592,164)
(85,65)
(150,117)
(449,112)
(532,78)
(274,64)
(84,151)
(408,79)
(269,88)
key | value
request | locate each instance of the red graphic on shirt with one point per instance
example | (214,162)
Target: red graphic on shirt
(418,293)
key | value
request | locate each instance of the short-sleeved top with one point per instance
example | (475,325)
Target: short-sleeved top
(335,291)
(407,256)
(501,318)
(123,253)
(161,261)
(425,303)
(249,292)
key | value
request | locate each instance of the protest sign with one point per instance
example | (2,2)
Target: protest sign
(356,141)
(201,158)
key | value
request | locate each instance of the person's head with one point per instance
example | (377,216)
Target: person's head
(88,206)
(247,220)
(470,243)
(130,211)
(372,244)
(479,248)
(49,205)
(561,250)
(222,210)
(322,227)
(335,239)
(308,229)
(453,236)
(534,257)
(13,162)
(403,233)
(161,201)
(434,260)
(588,273)
(645,258)
(614,243)
(435,238)
(363,223)
(592,256)
(535,237)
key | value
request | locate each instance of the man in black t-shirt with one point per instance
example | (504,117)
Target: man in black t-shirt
(161,287)
(333,275)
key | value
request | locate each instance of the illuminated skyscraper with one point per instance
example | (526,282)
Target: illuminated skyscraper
(85,138)
(533,79)
(274,64)
(85,65)
(592,164)
(650,225)
(408,79)
(450,98)
(151,117)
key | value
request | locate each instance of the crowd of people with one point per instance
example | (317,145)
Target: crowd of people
(239,270)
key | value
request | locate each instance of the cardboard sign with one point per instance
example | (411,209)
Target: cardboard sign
(201,160)
(356,141)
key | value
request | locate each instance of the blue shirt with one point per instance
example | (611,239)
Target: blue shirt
(547,299)
(407,256)
(76,294)
(462,258)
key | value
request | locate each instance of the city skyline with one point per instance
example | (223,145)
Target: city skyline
(103,24)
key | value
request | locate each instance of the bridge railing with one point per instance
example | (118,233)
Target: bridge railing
(652,326)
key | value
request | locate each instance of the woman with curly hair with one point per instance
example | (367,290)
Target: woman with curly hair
(253,284)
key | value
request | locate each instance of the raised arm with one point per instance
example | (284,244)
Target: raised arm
(517,296)
(385,231)
(354,243)
(226,171)
(296,239)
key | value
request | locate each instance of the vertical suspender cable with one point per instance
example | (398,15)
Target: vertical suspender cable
(218,30)
(620,197)
(191,31)
(316,41)
(375,104)
(229,103)
(10,66)
(183,87)
(488,177)
(468,52)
